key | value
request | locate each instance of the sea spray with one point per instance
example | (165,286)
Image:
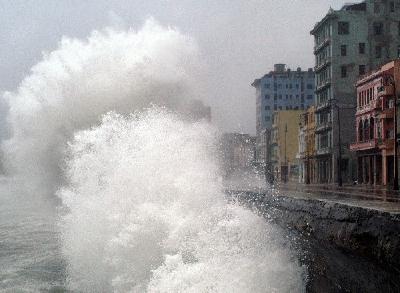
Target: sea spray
(145,213)
(142,207)
(74,85)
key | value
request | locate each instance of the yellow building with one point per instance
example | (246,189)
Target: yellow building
(284,144)
(306,154)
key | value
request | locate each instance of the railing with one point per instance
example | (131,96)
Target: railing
(322,64)
(324,151)
(386,143)
(323,126)
(321,44)
(388,113)
(374,104)
(364,145)
(386,90)
(323,84)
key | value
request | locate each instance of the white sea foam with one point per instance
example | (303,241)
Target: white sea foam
(74,85)
(146,213)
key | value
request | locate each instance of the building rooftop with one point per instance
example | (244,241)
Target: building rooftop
(280,69)
(362,6)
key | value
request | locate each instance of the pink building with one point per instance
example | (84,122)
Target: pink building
(375,125)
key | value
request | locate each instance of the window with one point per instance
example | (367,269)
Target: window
(391,6)
(266,85)
(378,28)
(361,48)
(343,70)
(343,28)
(267,108)
(378,51)
(275,107)
(302,107)
(297,85)
(267,118)
(309,86)
(291,96)
(309,97)
(267,97)
(398,28)
(343,50)
(280,107)
(398,51)
(361,69)
(377,8)
(297,96)
(287,97)
(275,97)
(280,97)
(287,108)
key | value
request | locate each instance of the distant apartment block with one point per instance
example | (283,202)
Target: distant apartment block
(238,152)
(280,89)
(376,96)
(349,43)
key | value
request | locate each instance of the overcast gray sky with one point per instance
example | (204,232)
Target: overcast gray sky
(240,40)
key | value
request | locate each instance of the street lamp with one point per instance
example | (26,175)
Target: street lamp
(286,162)
(396,175)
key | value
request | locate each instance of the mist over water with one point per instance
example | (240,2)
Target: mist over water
(143,209)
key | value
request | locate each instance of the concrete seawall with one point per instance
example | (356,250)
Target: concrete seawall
(367,234)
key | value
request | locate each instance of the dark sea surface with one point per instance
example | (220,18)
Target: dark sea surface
(30,258)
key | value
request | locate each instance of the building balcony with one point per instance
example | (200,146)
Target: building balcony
(322,65)
(386,90)
(387,114)
(373,105)
(323,84)
(322,105)
(386,144)
(321,45)
(323,151)
(364,145)
(323,127)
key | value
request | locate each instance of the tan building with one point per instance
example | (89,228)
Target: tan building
(284,144)
(306,154)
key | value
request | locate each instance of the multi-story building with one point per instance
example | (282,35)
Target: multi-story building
(306,153)
(283,147)
(348,43)
(280,89)
(238,152)
(375,138)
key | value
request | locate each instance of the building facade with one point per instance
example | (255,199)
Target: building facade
(306,153)
(284,145)
(375,121)
(238,153)
(280,89)
(348,43)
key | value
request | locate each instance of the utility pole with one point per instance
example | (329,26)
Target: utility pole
(286,162)
(339,168)
(395,163)
(340,182)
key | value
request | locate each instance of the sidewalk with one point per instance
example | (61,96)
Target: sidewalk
(355,195)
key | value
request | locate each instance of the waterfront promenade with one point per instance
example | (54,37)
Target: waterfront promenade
(354,195)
